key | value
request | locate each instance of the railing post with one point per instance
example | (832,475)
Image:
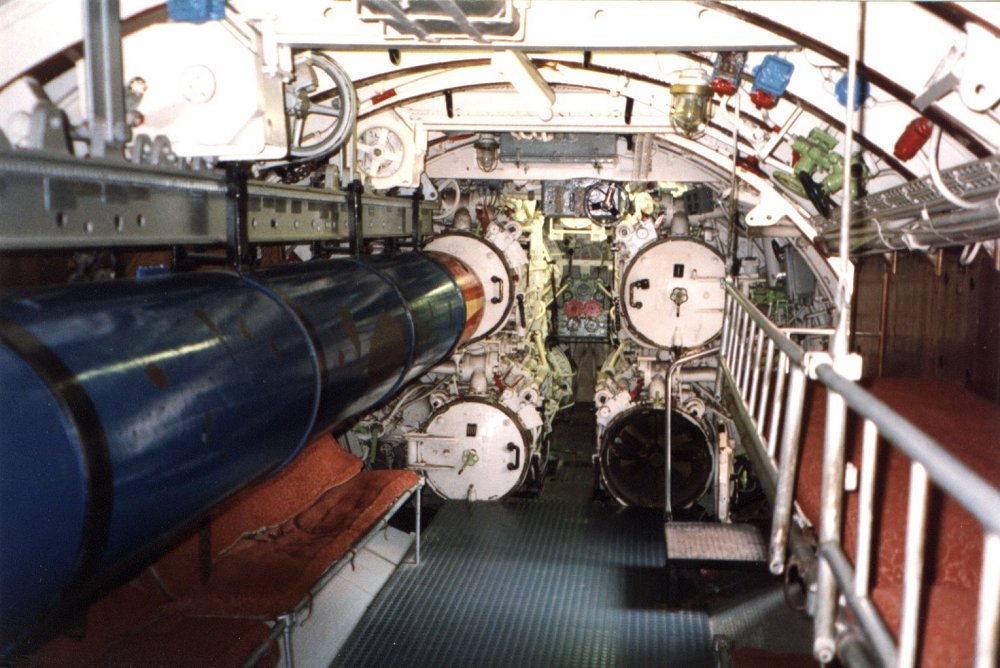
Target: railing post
(988,625)
(755,379)
(741,341)
(785,496)
(832,486)
(913,570)
(286,638)
(419,510)
(779,390)
(753,334)
(831,511)
(765,392)
(727,317)
(866,502)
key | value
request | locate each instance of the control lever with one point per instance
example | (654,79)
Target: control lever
(817,195)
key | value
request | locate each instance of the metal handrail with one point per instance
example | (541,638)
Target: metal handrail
(774,384)
(794,352)
(977,496)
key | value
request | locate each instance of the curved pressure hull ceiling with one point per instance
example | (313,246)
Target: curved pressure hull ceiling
(427,84)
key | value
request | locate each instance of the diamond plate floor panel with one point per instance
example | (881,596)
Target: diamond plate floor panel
(532,584)
(707,541)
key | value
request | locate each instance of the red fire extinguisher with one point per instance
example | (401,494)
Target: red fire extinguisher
(913,138)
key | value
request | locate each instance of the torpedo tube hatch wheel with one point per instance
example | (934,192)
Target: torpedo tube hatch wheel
(672,294)
(494,273)
(632,458)
(471,450)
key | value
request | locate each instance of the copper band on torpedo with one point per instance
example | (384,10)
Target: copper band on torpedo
(471,288)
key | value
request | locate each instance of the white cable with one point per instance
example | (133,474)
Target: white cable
(912,244)
(878,228)
(936,174)
(969,254)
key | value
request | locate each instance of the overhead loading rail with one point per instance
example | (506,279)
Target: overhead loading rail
(51,202)
(765,377)
(134,190)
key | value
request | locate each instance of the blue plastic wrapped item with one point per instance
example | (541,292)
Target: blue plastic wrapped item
(772,75)
(196,11)
(862,89)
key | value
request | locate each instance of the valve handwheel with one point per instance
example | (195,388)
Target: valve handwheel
(321,117)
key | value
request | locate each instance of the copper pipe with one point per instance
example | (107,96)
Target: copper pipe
(883,321)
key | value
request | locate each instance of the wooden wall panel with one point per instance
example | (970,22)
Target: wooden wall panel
(943,319)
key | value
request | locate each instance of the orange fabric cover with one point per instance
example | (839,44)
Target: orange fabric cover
(270,575)
(321,464)
(185,641)
(969,427)
(315,509)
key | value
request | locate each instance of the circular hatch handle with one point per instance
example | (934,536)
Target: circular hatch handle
(642,284)
(679,296)
(517,457)
(499,283)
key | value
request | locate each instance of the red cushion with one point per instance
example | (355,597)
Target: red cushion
(126,627)
(966,425)
(269,576)
(184,641)
(321,465)
(106,619)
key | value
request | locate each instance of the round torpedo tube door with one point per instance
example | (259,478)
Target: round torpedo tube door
(471,450)
(491,267)
(672,294)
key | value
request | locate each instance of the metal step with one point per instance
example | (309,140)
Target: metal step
(711,541)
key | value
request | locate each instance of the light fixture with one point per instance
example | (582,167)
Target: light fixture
(486,152)
(689,106)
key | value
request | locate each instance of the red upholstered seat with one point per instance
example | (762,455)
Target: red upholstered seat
(322,465)
(969,427)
